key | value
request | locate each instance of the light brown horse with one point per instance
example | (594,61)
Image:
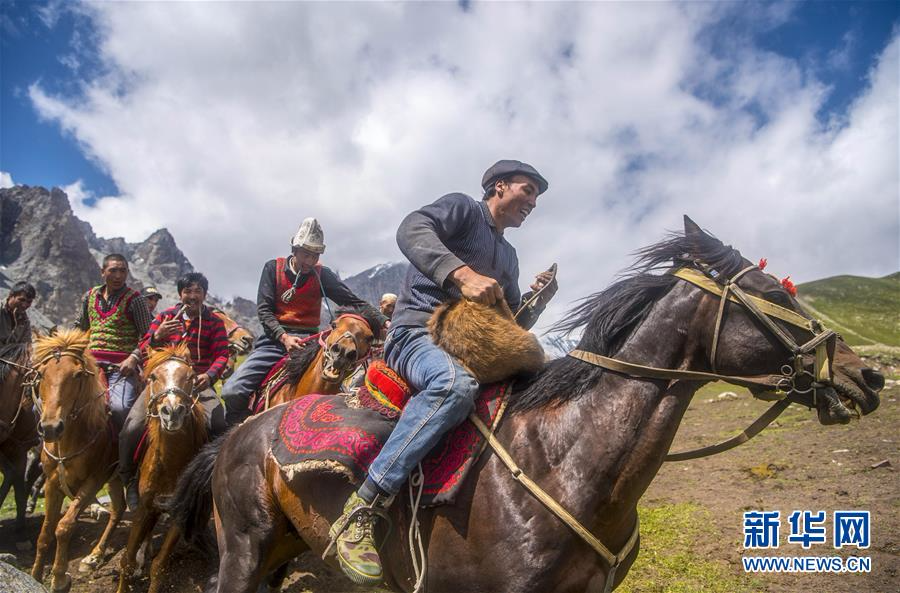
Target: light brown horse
(176,429)
(18,427)
(79,452)
(323,364)
(240,340)
(592,438)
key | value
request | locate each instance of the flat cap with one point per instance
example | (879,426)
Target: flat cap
(507,168)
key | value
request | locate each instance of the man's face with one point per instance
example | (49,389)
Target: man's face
(152,302)
(387,307)
(305,260)
(18,302)
(516,199)
(115,273)
(192,296)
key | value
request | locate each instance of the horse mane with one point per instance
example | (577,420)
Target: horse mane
(367,313)
(299,360)
(16,352)
(157,357)
(71,340)
(609,317)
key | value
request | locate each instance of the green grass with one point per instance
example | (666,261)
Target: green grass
(863,310)
(667,562)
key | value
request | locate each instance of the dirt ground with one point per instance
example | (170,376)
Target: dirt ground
(796,464)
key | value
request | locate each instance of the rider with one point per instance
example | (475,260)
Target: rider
(152,297)
(457,249)
(289,304)
(192,322)
(116,317)
(387,304)
(15,328)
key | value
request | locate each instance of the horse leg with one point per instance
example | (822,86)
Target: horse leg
(157,570)
(244,553)
(61,581)
(21,493)
(141,527)
(53,503)
(117,507)
(36,489)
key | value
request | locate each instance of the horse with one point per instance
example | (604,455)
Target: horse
(79,453)
(176,429)
(240,340)
(593,437)
(18,427)
(328,358)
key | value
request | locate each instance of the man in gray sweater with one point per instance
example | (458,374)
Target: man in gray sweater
(458,250)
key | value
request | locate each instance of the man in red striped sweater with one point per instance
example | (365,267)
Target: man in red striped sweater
(192,322)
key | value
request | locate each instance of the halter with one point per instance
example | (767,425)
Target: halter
(327,354)
(787,386)
(27,380)
(194,395)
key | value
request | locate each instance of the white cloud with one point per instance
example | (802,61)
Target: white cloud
(229,123)
(6,180)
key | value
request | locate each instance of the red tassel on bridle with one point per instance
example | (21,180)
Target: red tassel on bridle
(762,264)
(789,286)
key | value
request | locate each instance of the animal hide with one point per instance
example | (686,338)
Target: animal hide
(486,340)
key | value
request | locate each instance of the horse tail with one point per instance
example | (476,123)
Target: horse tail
(190,504)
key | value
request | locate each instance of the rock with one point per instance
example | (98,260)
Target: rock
(880,464)
(727,395)
(16,581)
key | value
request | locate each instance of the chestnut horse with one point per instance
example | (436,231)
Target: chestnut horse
(176,429)
(18,426)
(240,340)
(80,452)
(592,438)
(324,362)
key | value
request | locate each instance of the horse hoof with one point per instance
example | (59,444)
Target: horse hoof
(89,563)
(61,585)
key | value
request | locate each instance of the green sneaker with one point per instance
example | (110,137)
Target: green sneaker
(353,536)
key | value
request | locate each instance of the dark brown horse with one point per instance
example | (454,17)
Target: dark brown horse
(240,340)
(323,364)
(18,427)
(176,429)
(592,438)
(79,453)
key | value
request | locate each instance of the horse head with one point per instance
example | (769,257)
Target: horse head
(346,345)
(240,340)
(68,381)
(762,329)
(170,386)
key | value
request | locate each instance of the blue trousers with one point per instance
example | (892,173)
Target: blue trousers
(123,391)
(445,397)
(247,378)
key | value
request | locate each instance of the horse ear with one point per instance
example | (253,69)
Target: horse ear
(53,330)
(691,228)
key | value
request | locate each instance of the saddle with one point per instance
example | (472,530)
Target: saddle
(344,435)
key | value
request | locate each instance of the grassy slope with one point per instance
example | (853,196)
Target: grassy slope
(864,310)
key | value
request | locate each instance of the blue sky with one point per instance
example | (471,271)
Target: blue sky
(255,117)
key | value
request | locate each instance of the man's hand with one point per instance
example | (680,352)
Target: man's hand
(202,382)
(128,366)
(548,279)
(166,329)
(476,287)
(291,342)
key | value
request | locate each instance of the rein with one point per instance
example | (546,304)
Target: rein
(27,380)
(822,344)
(326,353)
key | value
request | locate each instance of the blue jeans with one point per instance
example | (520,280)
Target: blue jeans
(123,391)
(247,378)
(445,397)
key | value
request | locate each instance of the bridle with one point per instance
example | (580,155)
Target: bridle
(329,356)
(792,384)
(193,396)
(785,385)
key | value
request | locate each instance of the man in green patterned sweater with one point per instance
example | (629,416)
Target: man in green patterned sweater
(117,317)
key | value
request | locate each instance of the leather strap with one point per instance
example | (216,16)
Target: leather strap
(554,507)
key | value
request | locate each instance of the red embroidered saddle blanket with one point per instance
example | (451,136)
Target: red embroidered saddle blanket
(325,433)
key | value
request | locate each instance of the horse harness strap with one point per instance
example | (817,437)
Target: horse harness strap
(61,463)
(27,381)
(614,560)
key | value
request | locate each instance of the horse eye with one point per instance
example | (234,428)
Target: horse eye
(779,298)
(152,377)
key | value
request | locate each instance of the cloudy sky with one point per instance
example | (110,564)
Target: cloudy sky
(774,125)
